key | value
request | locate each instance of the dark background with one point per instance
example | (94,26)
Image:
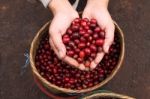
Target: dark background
(21,19)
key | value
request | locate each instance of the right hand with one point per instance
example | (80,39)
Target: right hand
(97,9)
(64,14)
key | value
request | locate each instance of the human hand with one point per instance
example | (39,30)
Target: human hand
(64,14)
(97,9)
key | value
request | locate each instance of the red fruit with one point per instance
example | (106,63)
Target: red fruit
(92,25)
(76,41)
(68,48)
(87,51)
(85,19)
(93,48)
(89,31)
(87,64)
(88,23)
(97,29)
(69,31)
(66,40)
(65,36)
(71,44)
(77,20)
(93,42)
(70,53)
(77,50)
(93,21)
(88,44)
(93,55)
(43,51)
(83,23)
(75,56)
(79,88)
(80,60)
(86,35)
(80,28)
(99,42)
(90,38)
(46,46)
(54,70)
(75,27)
(66,79)
(82,32)
(82,39)
(75,35)
(95,36)
(102,34)
(81,45)
(73,23)
(71,81)
(47,52)
(87,76)
(82,54)
(86,27)
(44,56)
(90,84)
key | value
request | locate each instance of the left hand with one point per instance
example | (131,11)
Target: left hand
(97,9)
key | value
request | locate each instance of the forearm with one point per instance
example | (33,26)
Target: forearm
(58,5)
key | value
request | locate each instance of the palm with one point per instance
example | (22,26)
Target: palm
(106,23)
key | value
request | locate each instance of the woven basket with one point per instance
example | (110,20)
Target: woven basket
(105,95)
(56,89)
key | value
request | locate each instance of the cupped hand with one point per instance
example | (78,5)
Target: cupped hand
(64,14)
(98,10)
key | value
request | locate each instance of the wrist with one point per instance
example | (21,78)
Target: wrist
(59,6)
(100,3)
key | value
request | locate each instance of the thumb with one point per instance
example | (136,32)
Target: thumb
(57,40)
(109,37)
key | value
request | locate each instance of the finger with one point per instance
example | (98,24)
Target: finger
(93,65)
(97,60)
(109,37)
(99,57)
(71,61)
(57,41)
(81,67)
(53,47)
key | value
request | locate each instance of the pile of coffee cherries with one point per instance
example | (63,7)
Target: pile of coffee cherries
(63,75)
(83,40)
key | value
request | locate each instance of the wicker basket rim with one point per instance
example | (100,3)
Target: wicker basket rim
(108,95)
(70,90)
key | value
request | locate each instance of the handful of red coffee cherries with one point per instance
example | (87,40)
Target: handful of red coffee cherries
(83,40)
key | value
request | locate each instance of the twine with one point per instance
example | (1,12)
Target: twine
(27,60)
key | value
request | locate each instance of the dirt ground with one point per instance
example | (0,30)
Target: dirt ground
(21,19)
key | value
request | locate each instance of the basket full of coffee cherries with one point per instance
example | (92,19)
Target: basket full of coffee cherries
(83,40)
